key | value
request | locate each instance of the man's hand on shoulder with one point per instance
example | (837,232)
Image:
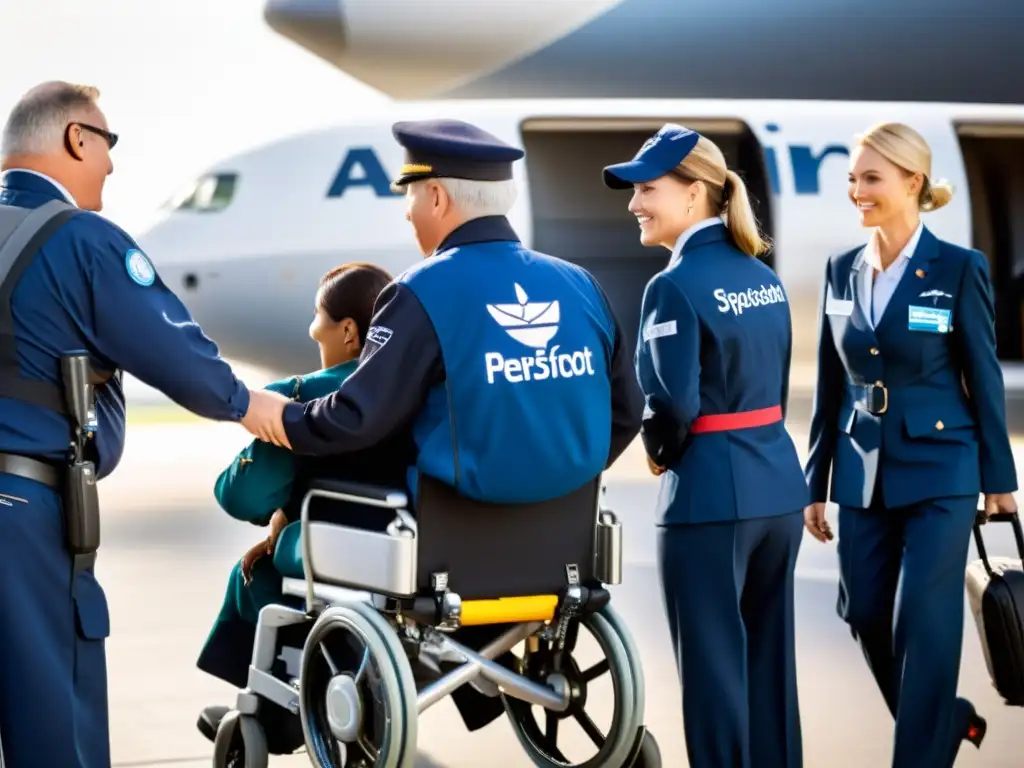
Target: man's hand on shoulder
(265,417)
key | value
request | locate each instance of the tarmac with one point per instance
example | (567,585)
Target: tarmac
(167,550)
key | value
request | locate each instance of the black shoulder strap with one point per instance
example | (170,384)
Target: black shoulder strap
(17,252)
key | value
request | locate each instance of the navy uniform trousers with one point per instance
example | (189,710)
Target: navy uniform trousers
(915,658)
(48,648)
(731,620)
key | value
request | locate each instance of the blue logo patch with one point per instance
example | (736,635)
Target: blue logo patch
(929,319)
(139,268)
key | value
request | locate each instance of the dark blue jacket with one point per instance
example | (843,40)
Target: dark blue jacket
(78,293)
(943,429)
(716,338)
(400,382)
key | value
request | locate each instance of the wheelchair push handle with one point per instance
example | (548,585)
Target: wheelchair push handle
(361,492)
(1000,517)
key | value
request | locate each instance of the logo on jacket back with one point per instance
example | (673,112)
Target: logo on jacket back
(534,324)
(752,297)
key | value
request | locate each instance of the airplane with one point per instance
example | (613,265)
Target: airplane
(245,244)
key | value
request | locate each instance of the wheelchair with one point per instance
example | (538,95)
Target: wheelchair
(387,594)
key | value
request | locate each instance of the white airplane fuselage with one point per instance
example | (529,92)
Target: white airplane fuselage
(246,252)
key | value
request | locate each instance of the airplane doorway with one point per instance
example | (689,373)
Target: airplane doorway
(994,161)
(577,218)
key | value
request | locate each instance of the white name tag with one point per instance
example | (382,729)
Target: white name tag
(834,306)
(658,330)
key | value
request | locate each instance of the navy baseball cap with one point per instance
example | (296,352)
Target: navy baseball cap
(660,154)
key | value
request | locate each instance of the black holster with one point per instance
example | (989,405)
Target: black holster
(81,509)
(81,499)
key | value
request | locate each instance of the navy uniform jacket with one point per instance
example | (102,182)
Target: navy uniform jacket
(403,368)
(932,356)
(78,294)
(716,338)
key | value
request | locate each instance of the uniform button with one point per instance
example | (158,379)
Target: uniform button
(939,425)
(874,351)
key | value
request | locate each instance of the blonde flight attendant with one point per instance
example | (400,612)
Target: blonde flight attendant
(713,362)
(909,423)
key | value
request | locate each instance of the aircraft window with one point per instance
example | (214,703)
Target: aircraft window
(208,193)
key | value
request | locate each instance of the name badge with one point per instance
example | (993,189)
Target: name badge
(929,319)
(837,306)
(658,330)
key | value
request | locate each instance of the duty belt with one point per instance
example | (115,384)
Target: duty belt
(872,398)
(30,469)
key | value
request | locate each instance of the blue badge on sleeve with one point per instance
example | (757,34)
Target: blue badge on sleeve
(139,268)
(930,319)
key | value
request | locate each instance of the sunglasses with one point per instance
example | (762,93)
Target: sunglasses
(111,138)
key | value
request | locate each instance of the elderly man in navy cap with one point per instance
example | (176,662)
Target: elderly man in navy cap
(507,365)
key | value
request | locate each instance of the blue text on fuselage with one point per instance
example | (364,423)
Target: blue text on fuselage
(362,168)
(804,160)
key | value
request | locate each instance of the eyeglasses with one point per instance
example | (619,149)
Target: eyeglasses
(111,138)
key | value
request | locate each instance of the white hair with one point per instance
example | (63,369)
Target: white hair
(37,122)
(481,198)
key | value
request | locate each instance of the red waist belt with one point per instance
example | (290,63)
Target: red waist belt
(724,422)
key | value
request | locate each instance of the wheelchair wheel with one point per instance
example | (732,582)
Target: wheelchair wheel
(357,698)
(633,654)
(240,743)
(614,748)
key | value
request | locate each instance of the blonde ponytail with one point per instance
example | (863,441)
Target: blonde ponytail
(739,217)
(727,194)
(934,195)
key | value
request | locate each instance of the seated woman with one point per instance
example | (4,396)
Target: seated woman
(264,485)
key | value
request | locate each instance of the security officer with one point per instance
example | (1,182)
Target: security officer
(80,284)
(713,362)
(507,364)
(909,418)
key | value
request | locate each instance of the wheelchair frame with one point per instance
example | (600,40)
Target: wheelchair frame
(391,558)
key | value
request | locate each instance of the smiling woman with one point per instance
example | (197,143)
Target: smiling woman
(908,427)
(892,163)
(713,363)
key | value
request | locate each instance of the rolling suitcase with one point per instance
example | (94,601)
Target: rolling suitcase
(995,592)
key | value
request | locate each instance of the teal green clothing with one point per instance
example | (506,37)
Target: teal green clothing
(258,482)
(260,478)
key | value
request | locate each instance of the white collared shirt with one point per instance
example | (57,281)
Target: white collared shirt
(690,232)
(60,187)
(876,290)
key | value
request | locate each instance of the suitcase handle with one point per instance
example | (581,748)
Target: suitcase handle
(1000,517)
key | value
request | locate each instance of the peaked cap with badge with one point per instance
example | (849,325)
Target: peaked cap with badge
(454,149)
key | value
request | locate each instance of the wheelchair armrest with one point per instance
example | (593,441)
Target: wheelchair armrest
(360,493)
